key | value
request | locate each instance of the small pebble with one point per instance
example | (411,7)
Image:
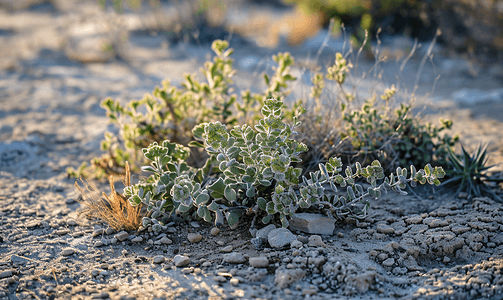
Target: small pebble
(122,236)
(181,260)
(259,262)
(67,251)
(234,281)
(316,241)
(234,258)
(194,237)
(137,239)
(159,259)
(214,231)
(227,249)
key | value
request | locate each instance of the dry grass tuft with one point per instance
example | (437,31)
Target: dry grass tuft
(116,210)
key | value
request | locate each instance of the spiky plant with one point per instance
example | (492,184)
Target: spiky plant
(468,173)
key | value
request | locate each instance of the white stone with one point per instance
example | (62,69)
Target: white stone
(312,223)
(264,232)
(159,259)
(121,236)
(316,241)
(259,262)
(67,251)
(181,260)
(234,258)
(280,237)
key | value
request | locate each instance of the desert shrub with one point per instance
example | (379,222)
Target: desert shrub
(250,171)
(363,130)
(169,113)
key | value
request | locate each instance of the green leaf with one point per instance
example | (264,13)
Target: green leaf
(250,192)
(202,199)
(182,208)
(261,202)
(230,194)
(217,189)
(270,208)
(213,206)
(266,219)
(233,216)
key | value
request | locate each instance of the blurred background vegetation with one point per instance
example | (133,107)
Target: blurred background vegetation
(471,26)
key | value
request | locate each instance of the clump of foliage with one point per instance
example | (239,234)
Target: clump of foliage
(250,171)
(164,114)
(467,172)
(374,131)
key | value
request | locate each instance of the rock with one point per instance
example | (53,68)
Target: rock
(137,239)
(98,232)
(463,195)
(234,281)
(312,223)
(227,249)
(121,236)
(316,241)
(280,237)
(296,244)
(284,278)
(388,262)
(195,224)
(181,260)
(18,260)
(194,237)
(303,239)
(234,258)
(71,222)
(67,251)
(259,262)
(362,282)
(264,232)
(164,240)
(385,229)
(214,231)
(159,259)
(109,231)
(6,274)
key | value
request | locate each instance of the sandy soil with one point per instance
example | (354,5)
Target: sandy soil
(429,246)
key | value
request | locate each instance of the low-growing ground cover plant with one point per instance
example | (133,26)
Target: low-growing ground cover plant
(250,170)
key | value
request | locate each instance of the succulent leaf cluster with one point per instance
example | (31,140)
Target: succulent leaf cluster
(251,169)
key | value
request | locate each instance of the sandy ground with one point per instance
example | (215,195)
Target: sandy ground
(431,246)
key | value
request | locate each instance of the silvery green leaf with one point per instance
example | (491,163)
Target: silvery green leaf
(213,206)
(262,203)
(270,208)
(183,208)
(202,199)
(233,216)
(219,218)
(266,219)
(230,194)
(323,170)
(284,221)
(265,182)
(222,166)
(279,176)
(359,189)
(148,169)
(156,214)
(217,189)
(250,192)
(332,186)
(220,157)
(402,178)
